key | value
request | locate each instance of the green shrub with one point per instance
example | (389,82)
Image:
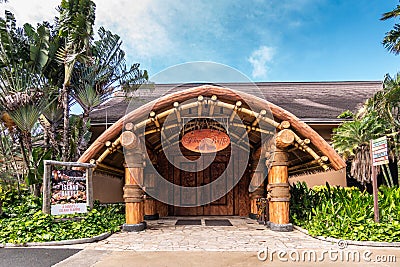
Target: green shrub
(346,213)
(25,222)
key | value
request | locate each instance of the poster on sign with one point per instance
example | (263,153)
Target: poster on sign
(68,192)
(379,148)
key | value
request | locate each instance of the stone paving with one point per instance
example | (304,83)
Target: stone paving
(244,235)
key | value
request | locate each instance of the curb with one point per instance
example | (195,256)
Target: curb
(58,243)
(349,242)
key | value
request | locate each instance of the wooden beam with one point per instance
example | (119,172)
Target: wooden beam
(102,166)
(129,140)
(284,138)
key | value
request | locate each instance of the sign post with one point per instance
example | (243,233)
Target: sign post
(379,156)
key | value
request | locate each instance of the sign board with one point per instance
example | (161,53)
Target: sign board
(205,141)
(68,192)
(379,150)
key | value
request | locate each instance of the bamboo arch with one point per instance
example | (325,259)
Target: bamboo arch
(220,96)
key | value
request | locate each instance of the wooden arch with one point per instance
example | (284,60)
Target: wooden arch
(293,136)
(306,139)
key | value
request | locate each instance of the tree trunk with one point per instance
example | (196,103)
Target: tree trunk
(82,144)
(65,139)
(50,135)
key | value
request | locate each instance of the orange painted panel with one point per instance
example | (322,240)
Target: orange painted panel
(205,141)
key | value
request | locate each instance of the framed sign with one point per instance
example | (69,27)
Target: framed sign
(379,148)
(66,190)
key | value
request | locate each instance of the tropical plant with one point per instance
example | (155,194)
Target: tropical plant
(98,78)
(386,104)
(346,213)
(23,89)
(392,37)
(351,139)
(23,220)
(75,25)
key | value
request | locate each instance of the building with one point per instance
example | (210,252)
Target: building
(161,133)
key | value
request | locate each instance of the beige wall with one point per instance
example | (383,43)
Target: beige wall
(332,177)
(107,188)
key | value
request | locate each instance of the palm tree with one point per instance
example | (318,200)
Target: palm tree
(351,139)
(75,25)
(392,38)
(104,74)
(23,89)
(386,103)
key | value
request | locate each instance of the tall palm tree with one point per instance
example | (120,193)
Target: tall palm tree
(98,78)
(386,103)
(392,37)
(75,25)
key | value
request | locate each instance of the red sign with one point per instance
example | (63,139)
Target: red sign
(206,141)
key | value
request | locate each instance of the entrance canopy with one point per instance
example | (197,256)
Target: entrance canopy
(308,152)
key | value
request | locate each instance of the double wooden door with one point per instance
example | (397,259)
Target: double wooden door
(187,204)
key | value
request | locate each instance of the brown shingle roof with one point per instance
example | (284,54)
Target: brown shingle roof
(310,101)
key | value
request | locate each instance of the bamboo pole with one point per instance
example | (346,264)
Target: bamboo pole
(308,164)
(212,105)
(200,99)
(310,151)
(109,151)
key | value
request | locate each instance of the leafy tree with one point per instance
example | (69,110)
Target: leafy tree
(23,89)
(351,139)
(103,74)
(391,40)
(75,25)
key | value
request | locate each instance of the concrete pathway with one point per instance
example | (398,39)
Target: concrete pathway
(164,244)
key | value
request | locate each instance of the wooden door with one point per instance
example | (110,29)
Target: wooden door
(192,178)
(186,204)
(223,205)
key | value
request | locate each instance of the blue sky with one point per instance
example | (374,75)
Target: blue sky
(285,40)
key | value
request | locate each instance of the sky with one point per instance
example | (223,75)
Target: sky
(265,40)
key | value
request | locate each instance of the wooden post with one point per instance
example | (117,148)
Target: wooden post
(89,187)
(150,204)
(278,186)
(133,197)
(374,184)
(133,193)
(46,188)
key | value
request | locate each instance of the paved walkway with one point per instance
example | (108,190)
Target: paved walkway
(165,244)
(244,235)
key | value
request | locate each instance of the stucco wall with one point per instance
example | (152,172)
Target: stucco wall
(332,177)
(107,188)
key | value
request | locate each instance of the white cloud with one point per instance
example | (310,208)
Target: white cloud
(159,33)
(259,60)
(31,11)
